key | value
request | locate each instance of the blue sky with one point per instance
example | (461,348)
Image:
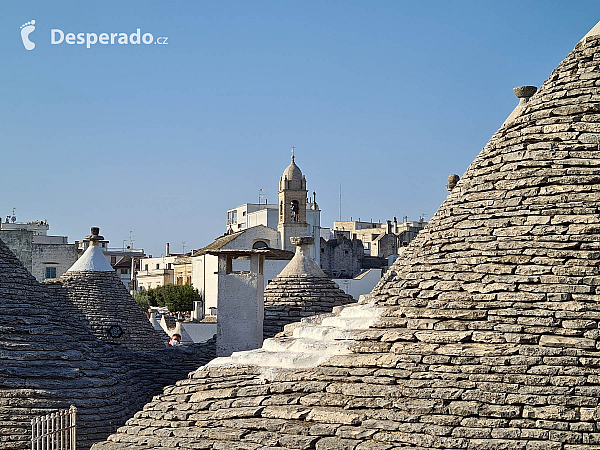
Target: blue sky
(386,98)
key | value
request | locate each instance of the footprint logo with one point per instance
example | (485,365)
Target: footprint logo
(26,30)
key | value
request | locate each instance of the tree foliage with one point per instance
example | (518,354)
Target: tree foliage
(177,298)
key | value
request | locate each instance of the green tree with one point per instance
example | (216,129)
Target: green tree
(177,298)
(141,297)
(180,298)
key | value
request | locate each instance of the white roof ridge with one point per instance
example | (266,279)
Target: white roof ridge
(595,31)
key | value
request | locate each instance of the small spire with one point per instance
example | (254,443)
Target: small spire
(293,157)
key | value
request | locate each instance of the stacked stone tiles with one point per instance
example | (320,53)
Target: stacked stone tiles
(301,290)
(484,336)
(111,312)
(49,360)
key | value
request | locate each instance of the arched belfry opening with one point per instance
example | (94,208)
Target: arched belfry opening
(292,205)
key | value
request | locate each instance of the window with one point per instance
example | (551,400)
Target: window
(146,267)
(231,217)
(157,266)
(259,244)
(169,266)
(124,271)
(243,213)
(295,211)
(50,272)
(113,260)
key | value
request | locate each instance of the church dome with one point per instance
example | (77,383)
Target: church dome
(292,177)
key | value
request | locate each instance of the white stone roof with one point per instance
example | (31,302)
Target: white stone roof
(595,31)
(302,264)
(93,260)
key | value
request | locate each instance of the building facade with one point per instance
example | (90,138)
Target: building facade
(44,256)
(295,215)
(381,239)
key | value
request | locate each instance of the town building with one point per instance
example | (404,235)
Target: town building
(155,272)
(260,227)
(483,335)
(205,261)
(44,256)
(294,215)
(381,239)
(354,246)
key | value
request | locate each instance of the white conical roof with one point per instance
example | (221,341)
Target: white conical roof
(92,260)
(595,31)
(302,264)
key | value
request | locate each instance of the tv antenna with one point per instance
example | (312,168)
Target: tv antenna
(340,202)
(261,195)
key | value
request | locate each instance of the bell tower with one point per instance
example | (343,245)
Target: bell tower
(292,205)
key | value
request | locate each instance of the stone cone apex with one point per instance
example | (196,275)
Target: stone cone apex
(93,259)
(111,312)
(595,31)
(155,324)
(300,290)
(186,339)
(96,290)
(484,335)
(302,263)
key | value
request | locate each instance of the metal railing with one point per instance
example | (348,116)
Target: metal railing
(56,431)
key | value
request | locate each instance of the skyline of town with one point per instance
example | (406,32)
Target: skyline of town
(162,140)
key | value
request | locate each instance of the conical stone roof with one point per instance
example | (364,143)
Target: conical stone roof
(49,360)
(104,303)
(485,335)
(300,290)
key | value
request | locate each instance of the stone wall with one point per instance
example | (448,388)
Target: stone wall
(60,256)
(341,257)
(20,243)
(37,256)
